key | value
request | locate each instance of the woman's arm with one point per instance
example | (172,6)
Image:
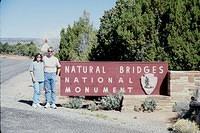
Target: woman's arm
(33,77)
(31,72)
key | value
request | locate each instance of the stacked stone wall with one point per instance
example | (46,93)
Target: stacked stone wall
(183,84)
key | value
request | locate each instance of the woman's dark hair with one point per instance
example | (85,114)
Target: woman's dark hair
(35,57)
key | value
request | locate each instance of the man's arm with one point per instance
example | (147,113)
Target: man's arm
(58,67)
(58,71)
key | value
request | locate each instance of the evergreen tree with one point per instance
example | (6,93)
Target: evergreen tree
(77,41)
(151,30)
(183,41)
(128,32)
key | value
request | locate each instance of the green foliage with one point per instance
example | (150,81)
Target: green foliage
(57,55)
(128,32)
(77,40)
(74,103)
(183,40)
(185,126)
(29,49)
(180,107)
(6,48)
(112,102)
(149,105)
(93,107)
(188,110)
(137,108)
(149,30)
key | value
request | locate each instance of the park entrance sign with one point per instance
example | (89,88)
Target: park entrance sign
(103,78)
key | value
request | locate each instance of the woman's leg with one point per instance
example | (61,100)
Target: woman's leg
(41,87)
(36,94)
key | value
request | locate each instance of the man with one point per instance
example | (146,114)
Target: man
(51,71)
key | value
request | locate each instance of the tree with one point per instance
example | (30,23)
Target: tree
(32,49)
(6,48)
(128,32)
(151,30)
(77,41)
(29,49)
(183,41)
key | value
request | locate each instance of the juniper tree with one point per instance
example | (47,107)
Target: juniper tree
(77,40)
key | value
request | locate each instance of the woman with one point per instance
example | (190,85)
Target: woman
(37,73)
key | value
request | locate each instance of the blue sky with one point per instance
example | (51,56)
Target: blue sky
(45,18)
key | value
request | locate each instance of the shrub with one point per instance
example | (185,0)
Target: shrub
(137,108)
(93,107)
(185,126)
(112,102)
(149,105)
(188,110)
(29,49)
(180,106)
(74,103)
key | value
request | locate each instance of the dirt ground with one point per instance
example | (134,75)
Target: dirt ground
(23,92)
(165,117)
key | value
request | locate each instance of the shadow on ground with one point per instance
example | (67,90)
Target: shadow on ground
(30,102)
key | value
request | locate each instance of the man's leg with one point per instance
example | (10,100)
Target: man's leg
(47,89)
(53,88)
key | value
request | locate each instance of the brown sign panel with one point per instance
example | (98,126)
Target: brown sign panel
(103,78)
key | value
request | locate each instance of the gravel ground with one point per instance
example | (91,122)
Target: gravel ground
(21,121)
(18,116)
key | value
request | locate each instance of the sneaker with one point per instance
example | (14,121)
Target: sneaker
(47,105)
(53,106)
(34,105)
(38,105)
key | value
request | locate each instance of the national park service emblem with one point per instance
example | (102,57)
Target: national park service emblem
(149,82)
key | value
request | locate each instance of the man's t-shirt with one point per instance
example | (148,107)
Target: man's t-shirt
(50,64)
